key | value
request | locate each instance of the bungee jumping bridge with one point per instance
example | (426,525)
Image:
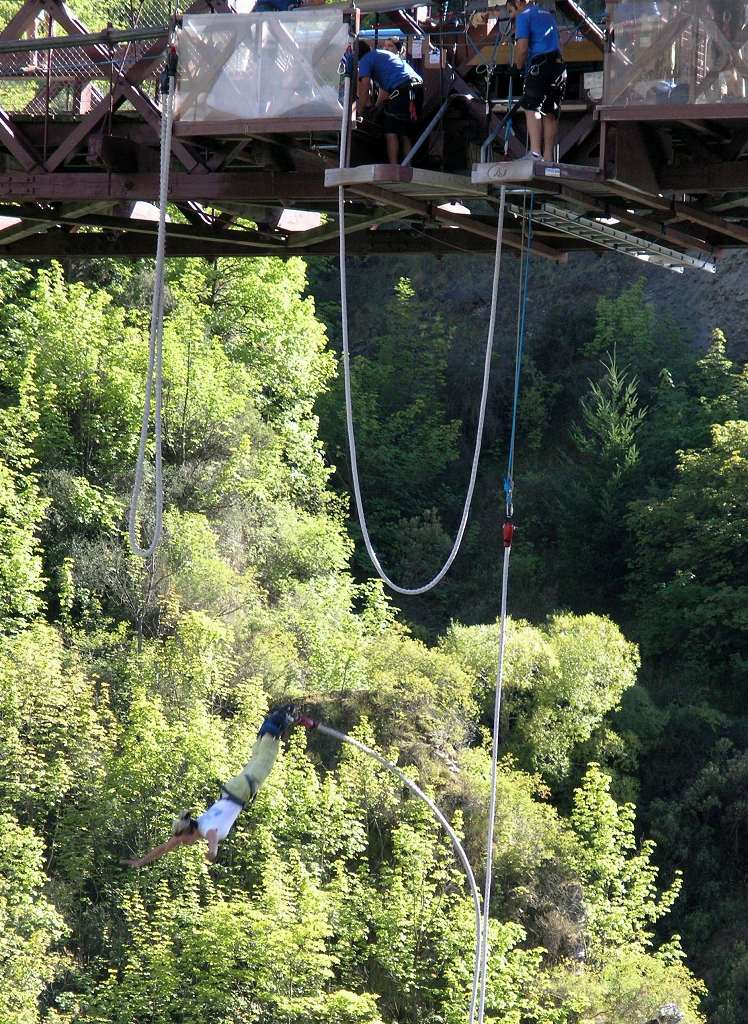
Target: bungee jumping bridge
(652,156)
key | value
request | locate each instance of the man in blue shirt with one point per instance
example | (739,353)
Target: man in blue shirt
(269,6)
(400,96)
(537,53)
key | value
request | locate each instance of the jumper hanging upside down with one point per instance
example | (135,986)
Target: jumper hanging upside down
(216,823)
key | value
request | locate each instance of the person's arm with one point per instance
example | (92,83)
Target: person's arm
(521,38)
(162,850)
(520,52)
(364,94)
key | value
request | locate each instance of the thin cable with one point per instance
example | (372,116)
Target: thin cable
(521,326)
(457,845)
(423,589)
(155,372)
(508,533)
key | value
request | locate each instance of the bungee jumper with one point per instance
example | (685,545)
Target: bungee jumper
(216,822)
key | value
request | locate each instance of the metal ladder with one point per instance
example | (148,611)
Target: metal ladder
(569,223)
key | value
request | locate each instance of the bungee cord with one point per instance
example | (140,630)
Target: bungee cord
(508,536)
(360,511)
(457,845)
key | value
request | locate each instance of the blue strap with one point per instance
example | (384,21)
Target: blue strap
(509,127)
(521,326)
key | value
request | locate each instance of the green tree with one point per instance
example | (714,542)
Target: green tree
(621,896)
(643,337)
(21,505)
(599,484)
(88,355)
(684,409)
(560,683)
(30,926)
(688,562)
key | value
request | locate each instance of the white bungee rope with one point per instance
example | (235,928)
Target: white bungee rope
(483,968)
(155,371)
(424,588)
(457,845)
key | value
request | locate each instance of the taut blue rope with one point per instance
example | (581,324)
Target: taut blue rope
(521,326)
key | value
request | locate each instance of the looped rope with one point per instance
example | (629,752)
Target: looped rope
(424,588)
(154,373)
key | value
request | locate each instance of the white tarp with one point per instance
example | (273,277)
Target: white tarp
(252,66)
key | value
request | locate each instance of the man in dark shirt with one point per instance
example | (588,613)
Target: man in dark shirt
(537,53)
(400,96)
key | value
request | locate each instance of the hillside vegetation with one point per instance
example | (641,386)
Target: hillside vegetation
(127,689)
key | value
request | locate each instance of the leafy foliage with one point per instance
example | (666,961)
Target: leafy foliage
(134,686)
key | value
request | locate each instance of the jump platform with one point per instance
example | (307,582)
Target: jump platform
(539,175)
(413,182)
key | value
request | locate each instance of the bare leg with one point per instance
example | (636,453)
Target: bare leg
(393,148)
(550,135)
(534,130)
(407,145)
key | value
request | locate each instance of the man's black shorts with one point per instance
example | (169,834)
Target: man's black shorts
(402,111)
(545,85)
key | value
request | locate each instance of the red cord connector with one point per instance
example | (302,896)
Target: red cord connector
(508,532)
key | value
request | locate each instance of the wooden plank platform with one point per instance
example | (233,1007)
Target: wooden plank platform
(539,175)
(408,181)
(239,128)
(730,110)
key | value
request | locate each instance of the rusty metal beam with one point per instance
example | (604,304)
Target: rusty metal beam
(686,211)
(468,224)
(152,116)
(265,187)
(584,23)
(61,243)
(132,78)
(671,112)
(302,239)
(577,134)
(267,125)
(675,211)
(215,163)
(31,226)
(231,240)
(22,20)
(12,138)
(110,37)
(700,177)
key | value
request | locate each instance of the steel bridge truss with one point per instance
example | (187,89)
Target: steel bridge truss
(79,132)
